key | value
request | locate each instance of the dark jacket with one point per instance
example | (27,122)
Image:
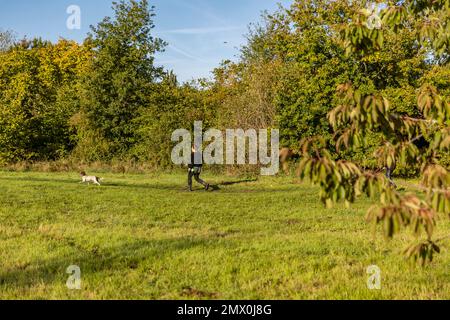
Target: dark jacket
(192,164)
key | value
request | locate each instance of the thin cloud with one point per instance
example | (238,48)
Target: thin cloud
(183,52)
(199,31)
(203,7)
(168,61)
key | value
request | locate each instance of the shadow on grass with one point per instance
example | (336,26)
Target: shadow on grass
(105,183)
(179,186)
(34,179)
(176,187)
(230,183)
(118,259)
(216,187)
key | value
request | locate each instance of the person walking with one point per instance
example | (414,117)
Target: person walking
(195,169)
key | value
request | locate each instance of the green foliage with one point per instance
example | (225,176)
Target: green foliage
(120,105)
(245,92)
(303,55)
(170,107)
(362,113)
(121,77)
(36,84)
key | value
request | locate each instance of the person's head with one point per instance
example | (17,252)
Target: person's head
(193,149)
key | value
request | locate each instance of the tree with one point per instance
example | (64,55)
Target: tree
(361,114)
(171,107)
(121,78)
(36,79)
(247,91)
(293,62)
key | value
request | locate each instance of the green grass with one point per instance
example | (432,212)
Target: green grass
(146,237)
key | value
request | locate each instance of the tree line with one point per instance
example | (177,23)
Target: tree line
(106,99)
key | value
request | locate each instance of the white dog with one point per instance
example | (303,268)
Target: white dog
(86,178)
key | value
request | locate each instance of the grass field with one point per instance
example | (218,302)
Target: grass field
(146,237)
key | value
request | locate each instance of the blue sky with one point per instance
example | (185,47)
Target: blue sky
(200,33)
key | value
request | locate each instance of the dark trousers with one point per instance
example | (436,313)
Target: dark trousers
(195,172)
(389,172)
